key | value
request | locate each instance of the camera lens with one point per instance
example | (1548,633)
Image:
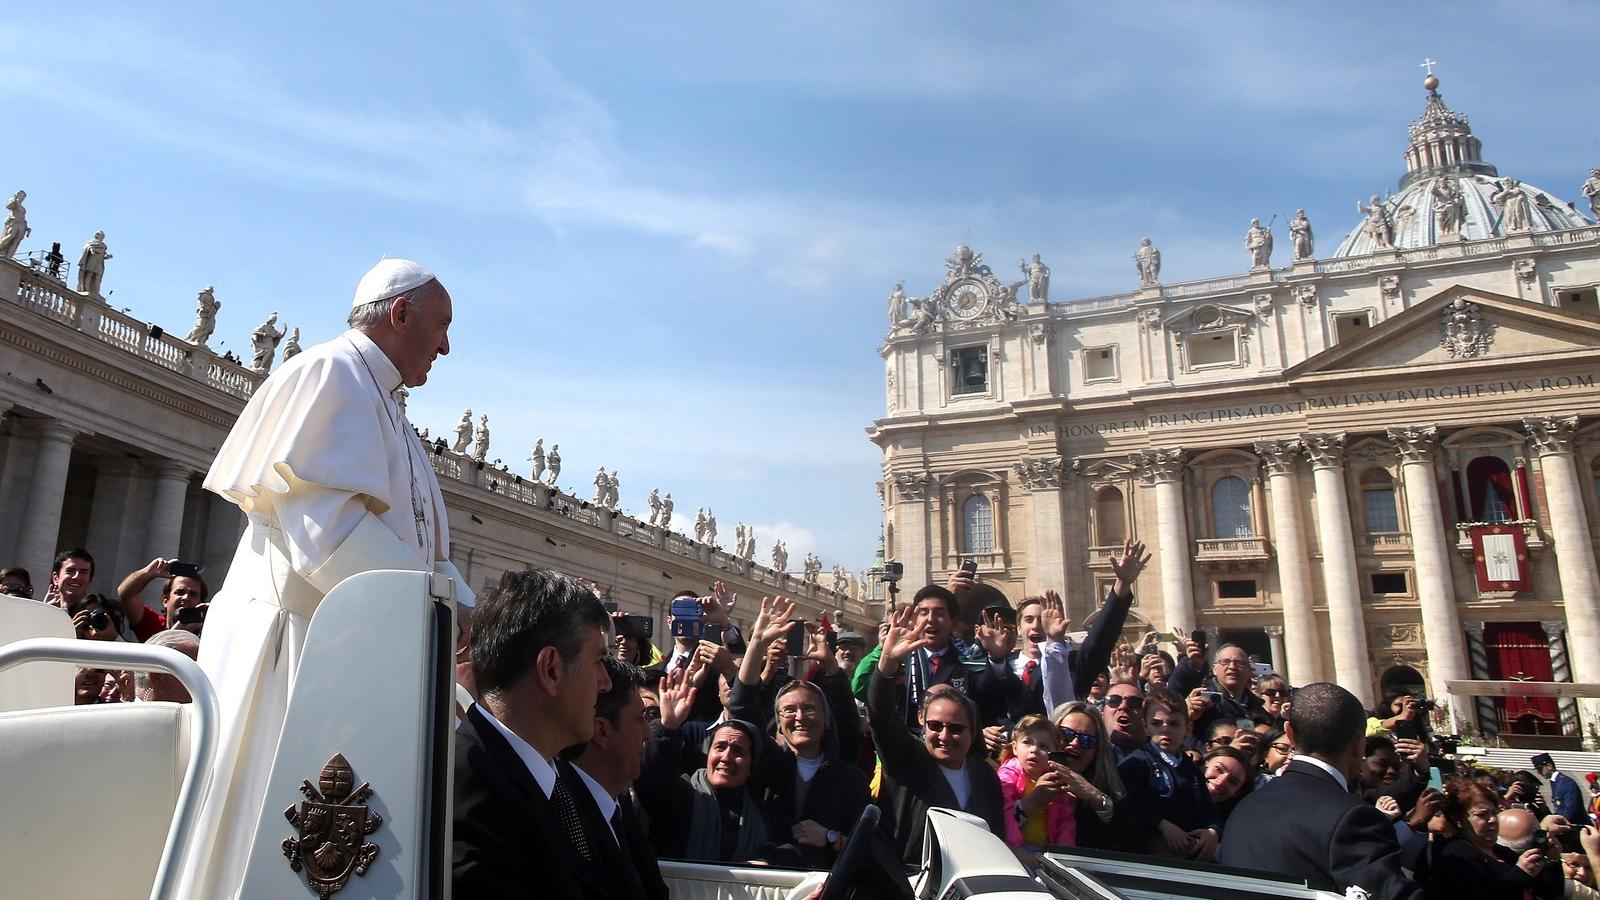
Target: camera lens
(98,620)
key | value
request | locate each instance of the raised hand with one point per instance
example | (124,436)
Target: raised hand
(773,620)
(677,699)
(718,608)
(1389,807)
(1054,616)
(901,640)
(1128,566)
(995,635)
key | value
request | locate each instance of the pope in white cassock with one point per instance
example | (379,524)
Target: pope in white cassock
(334,482)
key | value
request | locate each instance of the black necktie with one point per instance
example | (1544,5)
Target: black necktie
(571,823)
(618,829)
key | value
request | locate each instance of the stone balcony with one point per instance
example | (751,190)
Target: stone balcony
(1236,554)
(1530,534)
(1394,543)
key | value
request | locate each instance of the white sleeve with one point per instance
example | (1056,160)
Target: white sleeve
(331,535)
(1057,674)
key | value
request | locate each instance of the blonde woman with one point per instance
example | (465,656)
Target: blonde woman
(1092,770)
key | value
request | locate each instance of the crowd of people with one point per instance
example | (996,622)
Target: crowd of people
(588,752)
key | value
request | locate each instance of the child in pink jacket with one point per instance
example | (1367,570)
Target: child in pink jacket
(1039,809)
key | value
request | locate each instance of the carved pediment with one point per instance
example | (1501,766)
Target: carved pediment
(1209,317)
(1456,327)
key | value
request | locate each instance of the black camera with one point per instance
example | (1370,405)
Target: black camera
(184,570)
(192,615)
(1427,706)
(642,627)
(893,572)
(98,620)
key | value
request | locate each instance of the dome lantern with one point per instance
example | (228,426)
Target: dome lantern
(1442,142)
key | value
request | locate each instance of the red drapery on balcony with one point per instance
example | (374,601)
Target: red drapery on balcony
(1519,651)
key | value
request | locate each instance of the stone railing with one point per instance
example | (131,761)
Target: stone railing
(47,297)
(1236,552)
(1395,542)
(1531,534)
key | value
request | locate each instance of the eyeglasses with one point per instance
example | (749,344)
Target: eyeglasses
(1234,663)
(1220,742)
(954,729)
(1133,702)
(1085,740)
(805,711)
(1282,747)
(1273,692)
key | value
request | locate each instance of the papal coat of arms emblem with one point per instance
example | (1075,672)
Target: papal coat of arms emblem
(332,823)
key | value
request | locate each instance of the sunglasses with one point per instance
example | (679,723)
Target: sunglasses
(1085,740)
(1116,701)
(954,729)
(1220,742)
(1274,692)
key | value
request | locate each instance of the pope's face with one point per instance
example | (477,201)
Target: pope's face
(424,328)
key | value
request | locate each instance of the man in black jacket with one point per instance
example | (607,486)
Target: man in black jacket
(601,775)
(1305,823)
(538,657)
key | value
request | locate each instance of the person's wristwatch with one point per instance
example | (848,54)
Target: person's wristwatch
(832,837)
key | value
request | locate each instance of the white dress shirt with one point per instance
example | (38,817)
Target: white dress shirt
(542,770)
(1337,775)
(606,802)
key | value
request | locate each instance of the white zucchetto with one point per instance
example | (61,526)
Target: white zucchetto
(390,278)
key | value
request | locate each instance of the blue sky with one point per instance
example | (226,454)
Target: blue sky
(669,228)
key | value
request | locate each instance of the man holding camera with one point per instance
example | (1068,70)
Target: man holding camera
(184,598)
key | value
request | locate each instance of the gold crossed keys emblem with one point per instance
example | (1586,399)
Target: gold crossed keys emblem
(332,823)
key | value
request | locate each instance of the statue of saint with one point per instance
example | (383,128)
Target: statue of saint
(1591,189)
(1258,240)
(1148,262)
(1377,224)
(1038,280)
(1300,235)
(264,340)
(537,458)
(1448,205)
(700,525)
(16,227)
(666,510)
(613,491)
(205,319)
(655,505)
(963,261)
(922,316)
(480,449)
(1516,214)
(602,487)
(555,463)
(711,528)
(92,268)
(463,433)
(897,305)
(291,349)
(738,538)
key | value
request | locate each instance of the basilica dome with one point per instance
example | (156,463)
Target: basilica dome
(1450,194)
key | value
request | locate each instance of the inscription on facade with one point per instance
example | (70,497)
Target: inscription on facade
(1245,413)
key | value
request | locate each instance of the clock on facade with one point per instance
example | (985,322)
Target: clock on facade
(968,299)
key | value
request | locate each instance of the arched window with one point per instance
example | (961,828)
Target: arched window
(1230,508)
(1489,490)
(1377,499)
(1110,524)
(977,525)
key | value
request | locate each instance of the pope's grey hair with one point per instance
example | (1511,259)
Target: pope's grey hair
(368,315)
(177,639)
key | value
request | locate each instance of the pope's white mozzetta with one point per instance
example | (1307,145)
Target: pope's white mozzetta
(334,482)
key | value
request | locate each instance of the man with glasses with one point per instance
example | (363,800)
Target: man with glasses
(1227,693)
(16,582)
(1123,713)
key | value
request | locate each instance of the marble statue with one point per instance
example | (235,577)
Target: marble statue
(1148,262)
(963,261)
(423,436)
(1300,236)
(537,458)
(264,340)
(613,491)
(1038,280)
(812,567)
(602,487)
(711,528)
(748,552)
(1377,224)
(463,433)
(1591,189)
(555,463)
(480,449)
(1258,240)
(666,510)
(897,305)
(1516,214)
(840,579)
(291,349)
(922,316)
(1448,205)
(205,318)
(92,268)
(655,505)
(780,556)
(700,525)
(16,227)
(738,538)
(401,393)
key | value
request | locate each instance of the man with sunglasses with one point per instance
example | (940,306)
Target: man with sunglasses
(1123,714)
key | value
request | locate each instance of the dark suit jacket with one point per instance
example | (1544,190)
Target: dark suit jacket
(507,842)
(630,867)
(1302,824)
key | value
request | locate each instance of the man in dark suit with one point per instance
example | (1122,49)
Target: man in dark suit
(538,659)
(1305,823)
(601,773)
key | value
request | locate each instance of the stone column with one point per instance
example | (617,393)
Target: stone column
(1162,469)
(1430,549)
(1303,655)
(223,521)
(1569,527)
(41,518)
(1275,641)
(1047,563)
(164,530)
(109,522)
(1478,656)
(913,534)
(1340,581)
(1561,670)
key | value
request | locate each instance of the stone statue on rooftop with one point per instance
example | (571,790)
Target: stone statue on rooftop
(1516,214)
(1300,236)
(897,305)
(711,527)
(480,449)
(264,340)
(666,510)
(1148,262)
(291,349)
(602,487)
(1591,189)
(555,463)
(780,556)
(16,227)
(1038,280)
(1448,206)
(463,433)
(537,458)
(1377,225)
(92,268)
(655,505)
(1258,240)
(205,318)
(613,491)
(749,550)
(700,525)
(922,316)
(738,538)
